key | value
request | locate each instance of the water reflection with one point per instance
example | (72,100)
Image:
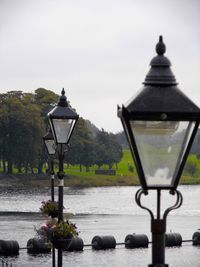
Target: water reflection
(104,200)
(75,191)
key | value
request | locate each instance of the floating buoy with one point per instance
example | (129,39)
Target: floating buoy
(196,239)
(76,244)
(38,245)
(173,240)
(9,247)
(103,242)
(136,241)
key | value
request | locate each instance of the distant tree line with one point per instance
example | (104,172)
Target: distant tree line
(23,123)
(87,148)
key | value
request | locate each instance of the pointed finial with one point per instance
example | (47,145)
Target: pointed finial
(63,99)
(63,91)
(160,47)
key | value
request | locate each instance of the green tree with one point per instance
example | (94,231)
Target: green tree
(81,146)
(192,165)
(107,150)
(116,149)
(45,100)
(21,129)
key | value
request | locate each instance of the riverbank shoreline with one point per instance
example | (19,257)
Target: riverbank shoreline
(79,181)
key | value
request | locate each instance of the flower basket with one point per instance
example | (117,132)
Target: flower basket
(61,243)
(50,208)
(59,233)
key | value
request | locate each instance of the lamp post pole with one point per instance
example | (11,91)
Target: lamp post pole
(52,178)
(61,184)
(160,124)
(51,165)
(50,147)
(53,199)
(60,197)
(158,229)
(158,225)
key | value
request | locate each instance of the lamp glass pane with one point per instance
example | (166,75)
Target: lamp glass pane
(50,146)
(63,129)
(161,146)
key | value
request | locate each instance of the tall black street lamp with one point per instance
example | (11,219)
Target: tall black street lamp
(160,124)
(62,119)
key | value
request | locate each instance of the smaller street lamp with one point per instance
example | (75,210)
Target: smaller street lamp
(51,150)
(62,119)
(49,143)
(160,124)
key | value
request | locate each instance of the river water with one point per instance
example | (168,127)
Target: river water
(101,211)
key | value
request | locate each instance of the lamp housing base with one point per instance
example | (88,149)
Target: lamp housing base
(158,265)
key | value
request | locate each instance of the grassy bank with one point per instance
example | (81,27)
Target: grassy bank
(126,175)
(79,180)
(86,181)
(189,180)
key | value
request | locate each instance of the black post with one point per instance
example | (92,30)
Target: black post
(158,229)
(60,196)
(53,257)
(158,225)
(52,180)
(60,187)
(60,254)
(52,198)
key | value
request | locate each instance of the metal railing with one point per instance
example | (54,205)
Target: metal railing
(4,263)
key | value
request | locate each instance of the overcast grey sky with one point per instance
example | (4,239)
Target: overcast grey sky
(98,50)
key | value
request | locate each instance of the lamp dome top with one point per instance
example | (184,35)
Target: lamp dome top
(160,73)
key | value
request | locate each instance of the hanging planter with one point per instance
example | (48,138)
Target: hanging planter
(50,208)
(61,243)
(61,234)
